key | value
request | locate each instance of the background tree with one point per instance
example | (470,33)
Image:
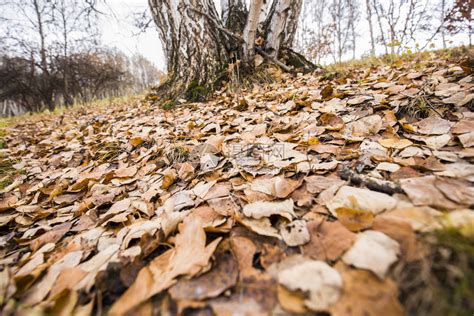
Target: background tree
(51,55)
(314,34)
(368,7)
(460,18)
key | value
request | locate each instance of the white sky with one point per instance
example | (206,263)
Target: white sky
(118,30)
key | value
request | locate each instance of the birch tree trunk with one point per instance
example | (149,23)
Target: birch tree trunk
(199,43)
(250,31)
(234,15)
(195,49)
(281,23)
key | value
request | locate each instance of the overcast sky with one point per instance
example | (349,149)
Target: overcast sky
(118,30)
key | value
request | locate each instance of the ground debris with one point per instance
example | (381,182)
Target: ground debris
(308,199)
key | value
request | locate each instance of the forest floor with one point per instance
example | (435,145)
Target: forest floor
(345,192)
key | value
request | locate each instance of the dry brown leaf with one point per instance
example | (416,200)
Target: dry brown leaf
(329,240)
(52,236)
(422,191)
(260,209)
(366,295)
(361,199)
(402,232)
(40,290)
(126,172)
(373,251)
(169,178)
(467,139)
(323,283)
(295,233)
(397,143)
(434,125)
(190,256)
(354,219)
(211,284)
(291,301)
(316,184)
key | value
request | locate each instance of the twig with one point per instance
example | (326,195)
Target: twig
(274,60)
(369,182)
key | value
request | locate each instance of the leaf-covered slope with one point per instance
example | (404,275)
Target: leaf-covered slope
(294,198)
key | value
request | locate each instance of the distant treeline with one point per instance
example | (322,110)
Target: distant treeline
(80,77)
(51,55)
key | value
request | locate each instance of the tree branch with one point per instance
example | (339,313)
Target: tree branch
(219,26)
(274,60)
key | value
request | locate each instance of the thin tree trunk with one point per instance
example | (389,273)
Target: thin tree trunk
(67,98)
(234,15)
(275,32)
(371,27)
(292,24)
(443,12)
(353,40)
(379,20)
(45,85)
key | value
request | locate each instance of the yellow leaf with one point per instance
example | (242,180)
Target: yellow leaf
(136,141)
(313,141)
(354,219)
(397,143)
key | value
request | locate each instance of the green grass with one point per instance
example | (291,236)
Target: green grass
(4,123)
(398,60)
(96,103)
(454,269)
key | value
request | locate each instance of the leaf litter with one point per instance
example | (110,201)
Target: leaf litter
(306,200)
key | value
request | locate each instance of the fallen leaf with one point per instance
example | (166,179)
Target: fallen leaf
(210,284)
(190,257)
(467,139)
(397,143)
(52,236)
(422,191)
(354,219)
(259,209)
(434,125)
(169,178)
(361,199)
(402,232)
(317,184)
(323,283)
(364,294)
(373,251)
(295,233)
(126,172)
(40,290)
(329,240)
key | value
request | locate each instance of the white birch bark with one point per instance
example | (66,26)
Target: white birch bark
(250,30)
(194,47)
(281,25)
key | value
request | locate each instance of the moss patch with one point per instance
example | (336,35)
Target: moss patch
(169,105)
(442,281)
(453,266)
(196,92)
(5,182)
